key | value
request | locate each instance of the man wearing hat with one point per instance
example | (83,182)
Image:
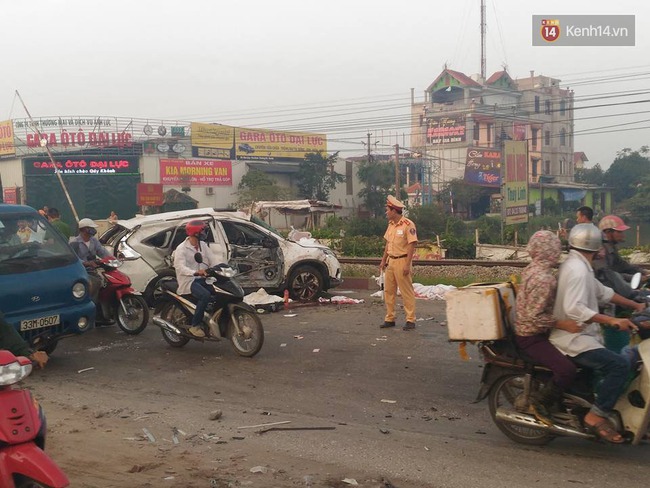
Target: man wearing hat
(88,247)
(608,264)
(401,237)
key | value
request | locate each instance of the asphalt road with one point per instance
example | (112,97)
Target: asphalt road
(399,402)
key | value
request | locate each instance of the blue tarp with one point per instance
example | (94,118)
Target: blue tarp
(573,194)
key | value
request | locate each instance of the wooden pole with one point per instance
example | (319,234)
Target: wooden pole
(397,188)
(49,153)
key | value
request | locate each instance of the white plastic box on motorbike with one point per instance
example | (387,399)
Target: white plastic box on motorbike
(477,312)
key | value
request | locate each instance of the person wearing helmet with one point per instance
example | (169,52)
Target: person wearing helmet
(609,261)
(191,274)
(88,248)
(578,296)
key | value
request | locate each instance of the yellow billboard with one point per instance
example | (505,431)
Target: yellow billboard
(515,179)
(270,145)
(7,147)
(212,141)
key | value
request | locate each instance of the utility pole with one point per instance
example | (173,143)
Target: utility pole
(482,41)
(397,188)
(369,147)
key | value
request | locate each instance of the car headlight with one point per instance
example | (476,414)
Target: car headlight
(126,252)
(329,252)
(78,290)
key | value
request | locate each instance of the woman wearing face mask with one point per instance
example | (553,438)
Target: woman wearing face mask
(88,248)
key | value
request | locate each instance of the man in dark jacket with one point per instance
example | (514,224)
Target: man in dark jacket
(609,266)
(11,341)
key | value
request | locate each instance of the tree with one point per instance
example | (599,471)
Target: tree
(316,176)
(378,178)
(256,186)
(625,172)
(639,204)
(465,197)
(590,176)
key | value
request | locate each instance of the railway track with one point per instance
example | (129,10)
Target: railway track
(451,262)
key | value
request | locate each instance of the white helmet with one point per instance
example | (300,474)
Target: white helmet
(87,223)
(586,237)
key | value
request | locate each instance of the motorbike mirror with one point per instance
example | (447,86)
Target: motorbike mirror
(635,281)
(198,257)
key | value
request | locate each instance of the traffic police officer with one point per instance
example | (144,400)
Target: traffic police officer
(401,237)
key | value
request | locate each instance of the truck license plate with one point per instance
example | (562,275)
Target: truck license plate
(39,322)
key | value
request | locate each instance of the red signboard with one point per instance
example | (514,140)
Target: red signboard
(195,172)
(9,195)
(150,194)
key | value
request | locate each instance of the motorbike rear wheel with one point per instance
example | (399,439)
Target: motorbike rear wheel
(181,318)
(503,395)
(250,340)
(136,318)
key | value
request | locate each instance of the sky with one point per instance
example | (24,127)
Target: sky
(342,67)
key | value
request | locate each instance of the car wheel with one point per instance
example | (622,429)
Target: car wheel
(305,283)
(153,291)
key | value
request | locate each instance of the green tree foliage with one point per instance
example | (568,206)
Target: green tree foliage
(378,179)
(590,176)
(316,176)
(626,171)
(256,186)
(639,204)
(430,221)
(466,197)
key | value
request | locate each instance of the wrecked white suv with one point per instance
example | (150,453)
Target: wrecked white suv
(262,258)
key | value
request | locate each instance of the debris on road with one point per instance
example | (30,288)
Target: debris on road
(259,469)
(271,429)
(383,400)
(149,435)
(316,350)
(384,431)
(85,369)
(264,425)
(215,415)
(350,481)
(290,315)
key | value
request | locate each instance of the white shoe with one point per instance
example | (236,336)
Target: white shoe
(196,331)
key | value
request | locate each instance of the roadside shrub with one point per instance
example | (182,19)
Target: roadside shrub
(363,246)
(459,247)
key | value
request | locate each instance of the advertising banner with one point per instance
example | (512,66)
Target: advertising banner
(7,147)
(65,133)
(212,141)
(483,167)
(149,194)
(82,165)
(515,179)
(270,145)
(195,172)
(10,195)
(443,130)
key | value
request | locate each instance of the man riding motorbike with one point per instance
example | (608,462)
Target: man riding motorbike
(191,274)
(611,269)
(578,295)
(88,247)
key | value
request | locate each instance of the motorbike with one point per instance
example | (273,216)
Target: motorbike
(118,300)
(509,378)
(227,316)
(23,461)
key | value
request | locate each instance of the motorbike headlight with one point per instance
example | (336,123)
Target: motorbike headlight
(78,290)
(14,372)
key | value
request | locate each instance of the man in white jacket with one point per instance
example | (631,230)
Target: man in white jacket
(191,274)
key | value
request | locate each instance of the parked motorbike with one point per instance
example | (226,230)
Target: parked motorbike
(23,461)
(118,300)
(509,378)
(227,316)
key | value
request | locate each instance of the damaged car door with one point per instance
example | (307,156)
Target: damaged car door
(255,254)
